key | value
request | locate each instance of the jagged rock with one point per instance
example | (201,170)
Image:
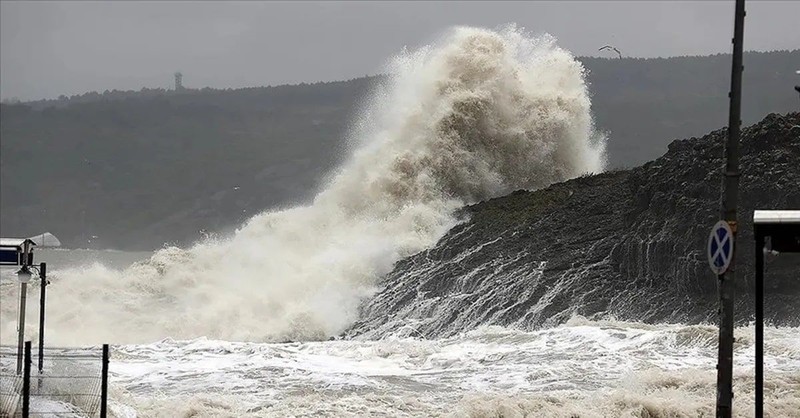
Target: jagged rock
(630,244)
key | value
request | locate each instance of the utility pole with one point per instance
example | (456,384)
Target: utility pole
(727,282)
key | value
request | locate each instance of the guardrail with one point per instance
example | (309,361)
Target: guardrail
(71,382)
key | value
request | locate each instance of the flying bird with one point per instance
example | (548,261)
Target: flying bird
(611,48)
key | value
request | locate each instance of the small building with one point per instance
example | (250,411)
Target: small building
(776,231)
(16,251)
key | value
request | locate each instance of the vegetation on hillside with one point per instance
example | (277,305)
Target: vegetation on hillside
(134,170)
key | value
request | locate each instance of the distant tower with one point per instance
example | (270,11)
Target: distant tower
(178,81)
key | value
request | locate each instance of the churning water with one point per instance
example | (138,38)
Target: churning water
(476,114)
(581,369)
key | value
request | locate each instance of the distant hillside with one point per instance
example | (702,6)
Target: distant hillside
(647,103)
(133,170)
(141,171)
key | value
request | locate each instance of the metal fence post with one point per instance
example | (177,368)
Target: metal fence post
(104,384)
(759,377)
(23,296)
(43,287)
(26,382)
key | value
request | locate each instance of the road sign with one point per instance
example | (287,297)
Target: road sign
(720,247)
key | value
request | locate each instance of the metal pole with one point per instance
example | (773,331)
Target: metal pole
(42,297)
(104,384)
(731,191)
(759,401)
(26,382)
(23,295)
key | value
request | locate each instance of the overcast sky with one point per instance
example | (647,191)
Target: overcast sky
(53,48)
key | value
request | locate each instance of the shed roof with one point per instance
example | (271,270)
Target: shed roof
(15,242)
(761,217)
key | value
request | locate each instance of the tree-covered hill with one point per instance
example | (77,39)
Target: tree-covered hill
(137,169)
(647,103)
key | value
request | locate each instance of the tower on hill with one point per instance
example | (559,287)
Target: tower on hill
(178,81)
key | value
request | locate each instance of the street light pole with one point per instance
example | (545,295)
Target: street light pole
(727,282)
(24,275)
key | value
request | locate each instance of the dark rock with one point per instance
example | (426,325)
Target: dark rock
(630,244)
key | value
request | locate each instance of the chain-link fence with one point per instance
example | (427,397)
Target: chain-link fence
(63,382)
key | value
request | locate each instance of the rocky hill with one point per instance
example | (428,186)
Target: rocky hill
(628,243)
(137,169)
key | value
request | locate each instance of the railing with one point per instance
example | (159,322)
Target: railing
(72,382)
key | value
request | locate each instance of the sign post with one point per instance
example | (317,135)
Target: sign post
(727,277)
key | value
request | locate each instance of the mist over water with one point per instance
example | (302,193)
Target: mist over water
(474,115)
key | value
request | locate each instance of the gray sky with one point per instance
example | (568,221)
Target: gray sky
(52,48)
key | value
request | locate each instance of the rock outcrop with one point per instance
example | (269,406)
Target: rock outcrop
(629,244)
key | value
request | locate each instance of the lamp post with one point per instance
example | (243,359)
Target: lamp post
(24,276)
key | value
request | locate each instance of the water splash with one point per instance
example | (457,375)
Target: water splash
(477,114)
(581,368)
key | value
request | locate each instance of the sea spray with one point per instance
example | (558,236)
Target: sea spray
(477,114)
(583,368)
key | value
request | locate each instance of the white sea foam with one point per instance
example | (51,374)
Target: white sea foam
(477,114)
(583,368)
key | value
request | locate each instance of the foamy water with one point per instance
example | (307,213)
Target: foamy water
(474,115)
(584,368)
